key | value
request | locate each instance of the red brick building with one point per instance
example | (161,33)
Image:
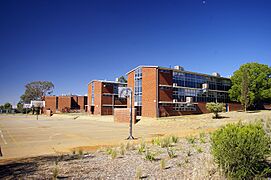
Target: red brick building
(159,91)
(65,103)
(103,97)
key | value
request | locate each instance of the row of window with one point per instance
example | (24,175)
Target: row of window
(180,107)
(138,87)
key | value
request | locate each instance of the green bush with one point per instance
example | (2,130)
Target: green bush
(215,108)
(241,150)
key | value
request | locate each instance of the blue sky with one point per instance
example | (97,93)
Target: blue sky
(72,42)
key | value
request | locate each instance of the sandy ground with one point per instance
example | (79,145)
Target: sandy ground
(24,136)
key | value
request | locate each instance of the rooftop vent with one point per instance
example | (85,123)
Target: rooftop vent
(216,74)
(179,68)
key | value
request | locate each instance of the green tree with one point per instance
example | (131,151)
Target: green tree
(122,79)
(7,106)
(20,107)
(259,84)
(215,108)
(36,91)
(245,98)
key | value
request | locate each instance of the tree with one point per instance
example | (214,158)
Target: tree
(245,98)
(37,90)
(259,86)
(20,107)
(7,106)
(122,79)
(215,108)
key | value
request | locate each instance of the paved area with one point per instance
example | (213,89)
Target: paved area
(24,136)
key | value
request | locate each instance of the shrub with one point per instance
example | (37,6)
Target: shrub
(142,147)
(163,164)
(174,139)
(191,139)
(149,156)
(240,150)
(55,172)
(114,153)
(165,142)
(138,173)
(122,149)
(156,141)
(215,108)
(171,153)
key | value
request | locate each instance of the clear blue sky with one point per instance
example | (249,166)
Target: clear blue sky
(72,42)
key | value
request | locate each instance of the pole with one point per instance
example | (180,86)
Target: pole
(131,117)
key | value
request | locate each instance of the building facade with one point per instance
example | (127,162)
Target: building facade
(65,103)
(159,91)
(103,97)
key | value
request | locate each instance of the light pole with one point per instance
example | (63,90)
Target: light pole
(125,92)
(131,116)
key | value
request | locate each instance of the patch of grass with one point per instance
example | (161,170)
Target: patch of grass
(108,151)
(142,147)
(55,172)
(122,150)
(156,141)
(165,142)
(149,156)
(138,173)
(202,137)
(191,139)
(80,152)
(174,139)
(73,152)
(189,153)
(163,164)
(171,153)
(114,154)
(199,150)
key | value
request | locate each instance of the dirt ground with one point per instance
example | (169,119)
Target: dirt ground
(25,136)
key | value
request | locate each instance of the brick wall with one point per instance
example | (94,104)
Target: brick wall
(82,101)
(165,78)
(149,91)
(235,107)
(122,115)
(50,103)
(131,84)
(64,102)
(97,97)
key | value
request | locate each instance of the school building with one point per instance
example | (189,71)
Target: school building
(160,91)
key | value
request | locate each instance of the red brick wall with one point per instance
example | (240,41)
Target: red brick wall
(106,110)
(97,98)
(122,115)
(64,102)
(89,96)
(106,100)
(107,88)
(149,92)
(50,103)
(82,101)
(131,84)
(165,78)
(165,95)
(235,107)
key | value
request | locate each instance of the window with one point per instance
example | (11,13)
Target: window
(138,87)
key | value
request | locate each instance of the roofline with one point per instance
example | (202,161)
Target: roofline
(160,67)
(105,81)
(141,66)
(202,74)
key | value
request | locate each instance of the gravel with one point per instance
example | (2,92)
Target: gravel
(192,161)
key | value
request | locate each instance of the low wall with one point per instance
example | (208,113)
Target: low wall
(122,115)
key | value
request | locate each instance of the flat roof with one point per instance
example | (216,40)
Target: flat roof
(160,67)
(105,81)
